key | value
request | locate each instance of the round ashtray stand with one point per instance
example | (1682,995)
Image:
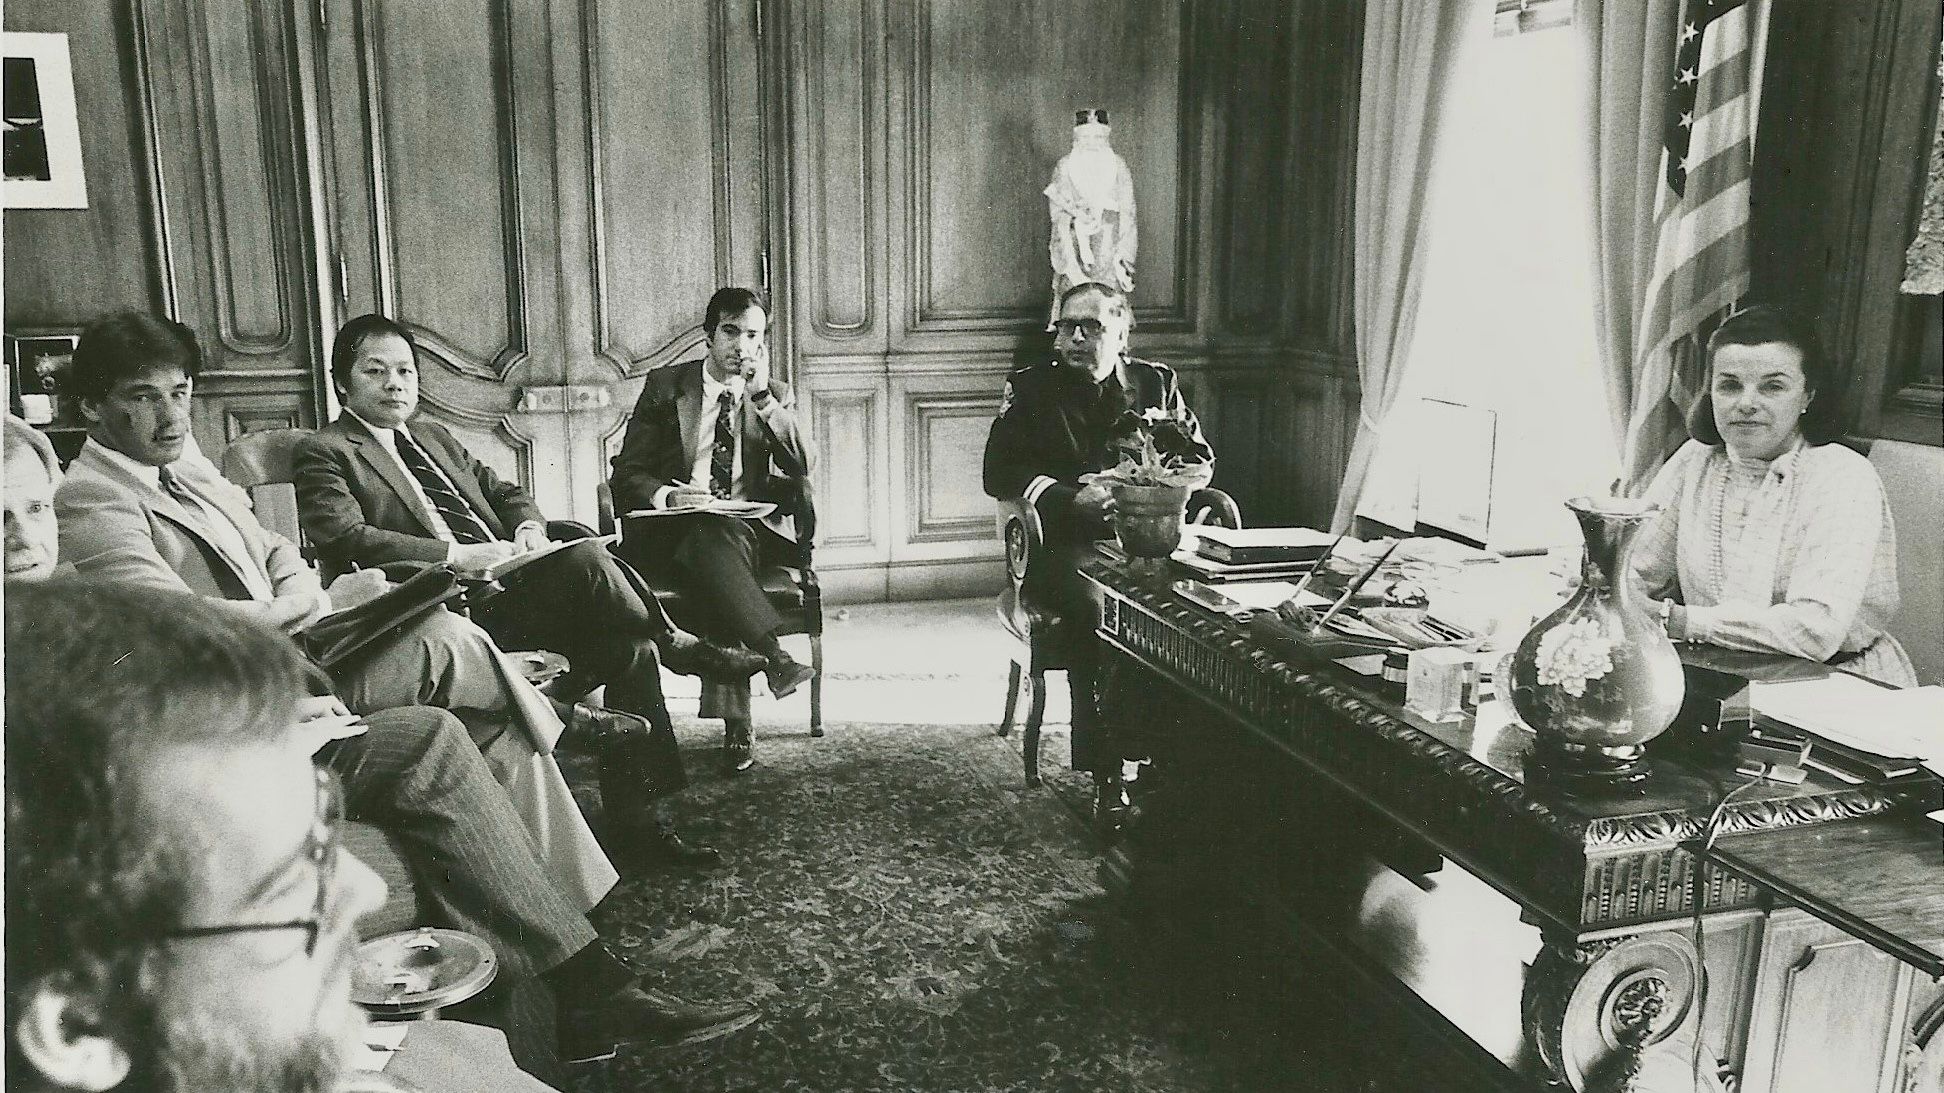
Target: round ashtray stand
(414,974)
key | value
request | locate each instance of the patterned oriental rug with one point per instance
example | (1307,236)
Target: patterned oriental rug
(910,917)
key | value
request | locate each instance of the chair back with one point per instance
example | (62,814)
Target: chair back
(1913,487)
(262,463)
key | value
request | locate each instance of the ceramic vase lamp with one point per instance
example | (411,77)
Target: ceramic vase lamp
(1598,678)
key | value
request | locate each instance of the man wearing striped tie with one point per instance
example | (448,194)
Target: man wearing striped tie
(720,428)
(375,487)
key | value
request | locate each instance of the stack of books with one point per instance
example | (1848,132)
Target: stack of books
(1229,554)
(1858,731)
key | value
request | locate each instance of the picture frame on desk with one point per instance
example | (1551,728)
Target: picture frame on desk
(37,365)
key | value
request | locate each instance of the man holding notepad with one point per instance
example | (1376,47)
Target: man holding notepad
(709,437)
(373,490)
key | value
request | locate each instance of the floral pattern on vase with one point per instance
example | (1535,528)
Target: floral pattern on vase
(1598,676)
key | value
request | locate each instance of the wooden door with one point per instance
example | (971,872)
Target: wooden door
(546,195)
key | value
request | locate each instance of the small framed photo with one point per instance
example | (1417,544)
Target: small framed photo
(36,372)
(40,138)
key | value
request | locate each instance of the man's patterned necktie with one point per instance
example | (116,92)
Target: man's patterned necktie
(722,458)
(458,514)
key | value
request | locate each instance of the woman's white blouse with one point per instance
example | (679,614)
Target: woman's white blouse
(1796,556)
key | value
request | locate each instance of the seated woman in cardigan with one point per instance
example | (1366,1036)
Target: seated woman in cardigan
(1771,537)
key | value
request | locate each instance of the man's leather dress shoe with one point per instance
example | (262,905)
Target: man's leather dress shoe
(785,675)
(597,1028)
(738,747)
(1110,807)
(687,655)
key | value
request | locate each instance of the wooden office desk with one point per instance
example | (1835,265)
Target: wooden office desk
(1505,935)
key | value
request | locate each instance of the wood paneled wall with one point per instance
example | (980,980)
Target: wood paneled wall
(1849,105)
(549,191)
(917,140)
(190,141)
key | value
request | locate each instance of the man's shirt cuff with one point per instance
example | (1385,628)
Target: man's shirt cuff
(660,499)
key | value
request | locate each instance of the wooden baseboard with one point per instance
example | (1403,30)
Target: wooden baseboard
(913,581)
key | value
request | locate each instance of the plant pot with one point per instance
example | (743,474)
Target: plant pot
(1147,519)
(1598,678)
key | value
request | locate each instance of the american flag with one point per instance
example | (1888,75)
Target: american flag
(1701,264)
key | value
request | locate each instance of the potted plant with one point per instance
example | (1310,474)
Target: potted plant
(1158,469)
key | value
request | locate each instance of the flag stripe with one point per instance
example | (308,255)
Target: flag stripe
(1700,263)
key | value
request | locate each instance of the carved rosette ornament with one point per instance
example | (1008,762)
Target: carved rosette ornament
(1618,1016)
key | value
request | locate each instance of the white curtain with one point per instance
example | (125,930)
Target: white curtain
(1410,50)
(1628,47)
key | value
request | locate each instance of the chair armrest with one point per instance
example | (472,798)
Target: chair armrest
(604,507)
(1209,505)
(1022,533)
(800,501)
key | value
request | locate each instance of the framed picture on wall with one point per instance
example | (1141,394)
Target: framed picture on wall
(36,372)
(40,144)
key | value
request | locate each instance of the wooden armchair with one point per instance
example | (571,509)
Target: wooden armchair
(1042,634)
(793,589)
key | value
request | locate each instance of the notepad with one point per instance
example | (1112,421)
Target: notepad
(500,569)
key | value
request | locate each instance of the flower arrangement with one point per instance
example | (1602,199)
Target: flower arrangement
(1156,448)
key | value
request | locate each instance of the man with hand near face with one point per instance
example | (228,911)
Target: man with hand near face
(376,487)
(1059,422)
(720,428)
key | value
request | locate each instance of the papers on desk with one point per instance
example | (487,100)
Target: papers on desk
(1856,715)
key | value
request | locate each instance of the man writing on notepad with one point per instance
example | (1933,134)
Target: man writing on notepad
(374,490)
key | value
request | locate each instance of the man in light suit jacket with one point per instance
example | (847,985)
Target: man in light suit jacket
(141,506)
(719,427)
(376,487)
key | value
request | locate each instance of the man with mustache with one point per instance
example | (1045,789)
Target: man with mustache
(719,427)
(1060,421)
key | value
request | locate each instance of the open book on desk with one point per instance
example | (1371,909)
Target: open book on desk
(501,569)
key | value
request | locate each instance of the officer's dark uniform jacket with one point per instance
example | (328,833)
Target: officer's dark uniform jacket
(1055,424)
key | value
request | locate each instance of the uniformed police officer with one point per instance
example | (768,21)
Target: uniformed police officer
(1057,422)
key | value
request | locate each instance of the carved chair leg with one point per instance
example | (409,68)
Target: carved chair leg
(1029,746)
(1012,699)
(816,685)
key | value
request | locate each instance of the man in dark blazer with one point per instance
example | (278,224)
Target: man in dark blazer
(719,427)
(1065,419)
(373,490)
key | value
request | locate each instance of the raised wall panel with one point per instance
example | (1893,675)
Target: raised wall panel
(847,428)
(675,171)
(1321,167)
(247,193)
(834,60)
(441,103)
(1255,100)
(989,112)
(946,438)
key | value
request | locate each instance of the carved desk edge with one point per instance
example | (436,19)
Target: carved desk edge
(1581,874)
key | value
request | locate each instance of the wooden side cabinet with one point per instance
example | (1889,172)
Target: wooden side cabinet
(1832,1012)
